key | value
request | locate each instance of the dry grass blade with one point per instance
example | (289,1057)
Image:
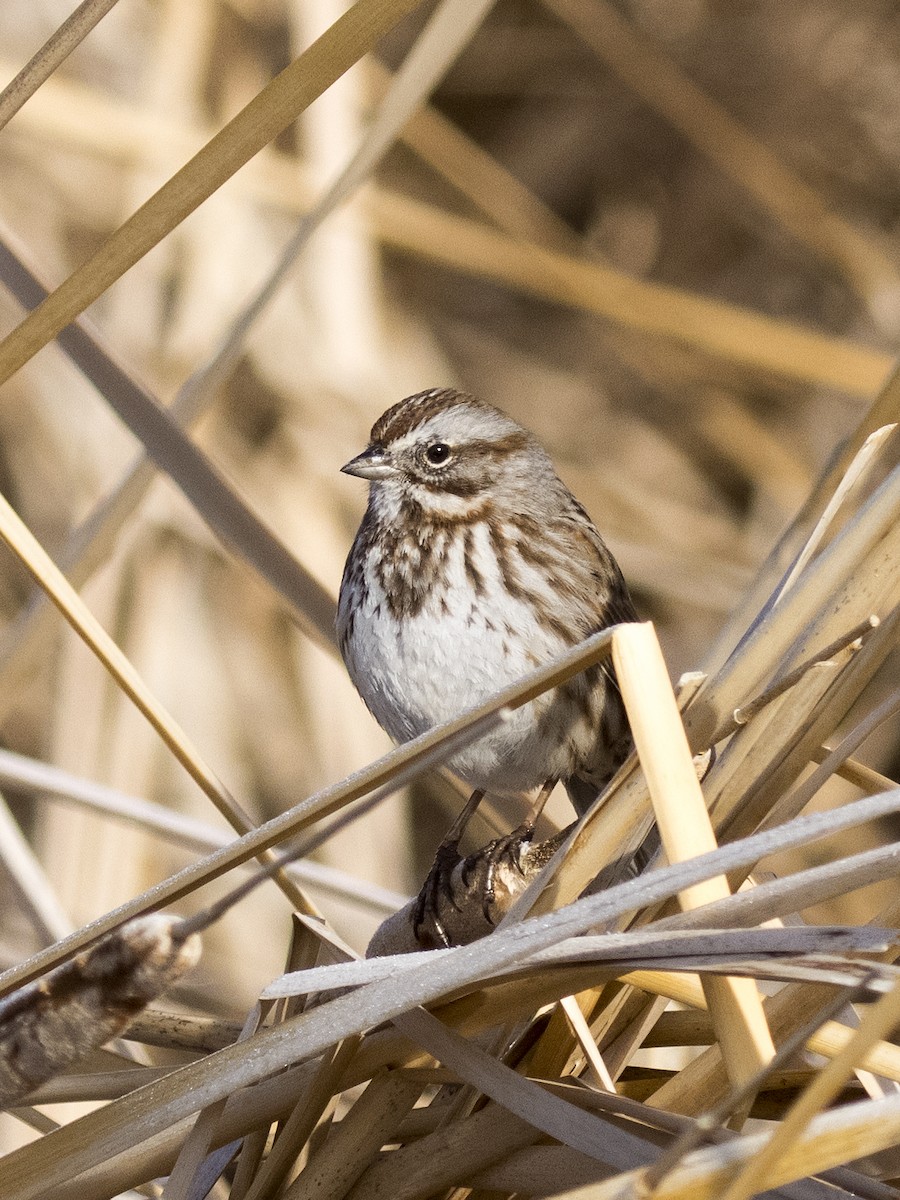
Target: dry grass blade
(544,1111)
(782,897)
(432,1164)
(621,950)
(85,1143)
(685,828)
(185,463)
(695,1134)
(54,52)
(855,474)
(831,1139)
(45,781)
(370,1123)
(883,413)
(25,871)
(160,433)
(280,103)
(196,1167)
(877,1024)
(662,250)
(864,545)
(388,773)
(295,1132)
(39,564)
(725,331)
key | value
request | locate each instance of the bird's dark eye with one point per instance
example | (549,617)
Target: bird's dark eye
(437,453)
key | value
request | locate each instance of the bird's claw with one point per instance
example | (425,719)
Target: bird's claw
(495,853)
(437,889)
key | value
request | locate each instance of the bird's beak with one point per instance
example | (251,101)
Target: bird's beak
(373,463)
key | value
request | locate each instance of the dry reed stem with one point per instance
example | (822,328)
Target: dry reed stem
(24,870)
(849,1132)
(187,465)
(148,1112)
(51,55)
(441,40)
(883,412)
(32,556)
(370,1123)
(295,1132)
(42,781)
(722,331)
(391,771)
(777,741)
(843,585)
(685,829)
(877,1024)
(855,475)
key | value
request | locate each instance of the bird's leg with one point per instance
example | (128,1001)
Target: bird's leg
(504,846)
(453,836)
(437,881)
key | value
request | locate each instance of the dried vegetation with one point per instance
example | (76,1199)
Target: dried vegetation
(664,235)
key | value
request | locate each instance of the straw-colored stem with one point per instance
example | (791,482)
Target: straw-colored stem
(54,51)
(876,1024)
(685,829)
(34,558)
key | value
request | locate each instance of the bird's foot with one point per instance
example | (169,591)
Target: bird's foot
(502,852)
(435,893)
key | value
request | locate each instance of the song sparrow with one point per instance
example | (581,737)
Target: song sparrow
(474,564)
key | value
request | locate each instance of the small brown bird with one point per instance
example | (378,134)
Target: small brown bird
(473,565)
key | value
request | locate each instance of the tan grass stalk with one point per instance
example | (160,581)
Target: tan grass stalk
(276,106)
(52,54)
(685,829)
(146,1113)
(390,772)
(295,1132)
(796,750)
(787,895)
(829,1040)
(859,774)
(884,411)
(723,331)
(34,558)
(877,1024)
(36,894)
(856,474)
(702,1083)
(429,1166)
(193,1154)
(849,1132)
(797,800)
(853,567)
(480,177)
(206,488)
(195,1151)
(352,1146)
(439,43)
(571,1006)
(43,781)
(712,1121)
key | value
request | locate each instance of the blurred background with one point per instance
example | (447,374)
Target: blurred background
(621,223)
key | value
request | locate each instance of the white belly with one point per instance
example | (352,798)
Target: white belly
(421,671)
